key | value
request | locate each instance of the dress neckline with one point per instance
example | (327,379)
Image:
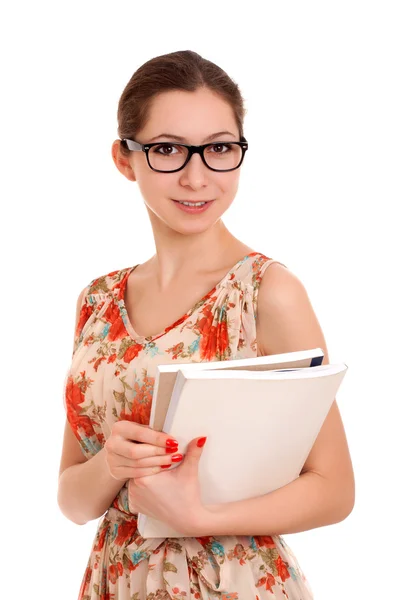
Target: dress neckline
(147,339)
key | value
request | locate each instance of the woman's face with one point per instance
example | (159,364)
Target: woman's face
(193,116)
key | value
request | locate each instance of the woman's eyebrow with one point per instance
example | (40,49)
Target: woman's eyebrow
(183,140)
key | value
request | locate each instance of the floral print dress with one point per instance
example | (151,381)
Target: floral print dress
(111,377)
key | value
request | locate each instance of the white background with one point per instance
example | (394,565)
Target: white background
(319,191)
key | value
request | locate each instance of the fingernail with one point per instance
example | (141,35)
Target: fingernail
(177,458)
(170,442)
(201,442)
(173,449)
(165,466)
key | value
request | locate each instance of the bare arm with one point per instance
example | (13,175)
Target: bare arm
(86,488)
(324,492)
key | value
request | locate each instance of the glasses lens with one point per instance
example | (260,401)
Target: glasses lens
(223,156)
(167,157)
(220,156)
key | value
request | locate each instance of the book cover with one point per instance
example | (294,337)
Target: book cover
(166,374)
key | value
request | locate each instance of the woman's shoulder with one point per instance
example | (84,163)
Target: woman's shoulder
(108,282)
(285,313)
(255,267)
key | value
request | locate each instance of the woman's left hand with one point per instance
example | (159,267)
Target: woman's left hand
(172,496)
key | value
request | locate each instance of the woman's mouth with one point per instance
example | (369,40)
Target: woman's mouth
(193,207)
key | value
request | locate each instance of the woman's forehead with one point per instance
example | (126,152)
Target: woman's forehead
(187,139)
(189,118)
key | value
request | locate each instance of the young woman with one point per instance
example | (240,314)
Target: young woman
(181,139)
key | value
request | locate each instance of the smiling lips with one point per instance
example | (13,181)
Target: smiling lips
(193,207)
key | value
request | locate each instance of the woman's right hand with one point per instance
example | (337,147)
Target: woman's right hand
(127,459)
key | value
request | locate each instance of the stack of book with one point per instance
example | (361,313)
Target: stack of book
(261,417)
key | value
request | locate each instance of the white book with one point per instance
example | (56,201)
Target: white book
(166,374)
(276,414)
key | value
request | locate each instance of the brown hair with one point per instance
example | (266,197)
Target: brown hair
(182,70)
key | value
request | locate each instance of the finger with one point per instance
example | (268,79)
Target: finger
(156,461)
(132,451)
(141,433)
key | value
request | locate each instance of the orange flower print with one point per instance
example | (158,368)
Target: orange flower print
(74,396)
(126,529)
(112,573)
(176,350)
(100,540)
(98,362)
(282,569)
(117,329)
(205,322)
(141,410)
(74,393)
(208,339)
(265,541)
(85,313)
(204,540)
(268,581)
(132,351)
(222,337)
(240,553)
(214,339)
(115,571)
(141,404)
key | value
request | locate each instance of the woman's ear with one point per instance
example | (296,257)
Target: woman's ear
(121,161)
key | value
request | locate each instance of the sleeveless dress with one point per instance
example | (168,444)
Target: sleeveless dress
(111,377)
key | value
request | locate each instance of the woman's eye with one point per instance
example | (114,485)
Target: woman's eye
(163,147)
(228,146)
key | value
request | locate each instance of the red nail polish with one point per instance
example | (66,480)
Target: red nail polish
(170,442)
(165,466)
(201,442)
(172,449)
(177,458)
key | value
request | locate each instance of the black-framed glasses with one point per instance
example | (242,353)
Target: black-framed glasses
(169,157)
